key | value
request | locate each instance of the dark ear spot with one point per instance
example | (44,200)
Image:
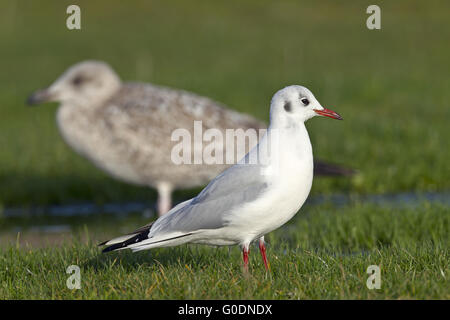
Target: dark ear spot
(288,107)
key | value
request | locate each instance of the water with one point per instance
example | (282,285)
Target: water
(42,226)
(81,209)
(407,199)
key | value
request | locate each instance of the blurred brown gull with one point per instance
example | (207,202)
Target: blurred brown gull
(125,128)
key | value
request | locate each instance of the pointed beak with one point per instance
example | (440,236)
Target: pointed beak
(328,113)
(38,97)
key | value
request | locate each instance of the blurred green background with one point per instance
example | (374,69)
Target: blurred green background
(390,85)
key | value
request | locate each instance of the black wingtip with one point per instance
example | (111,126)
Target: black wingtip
(102,244)
(141,234)
(121,245)
(113,247)
(327,169)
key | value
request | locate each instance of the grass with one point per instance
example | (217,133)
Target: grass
(391,87)
(323,254)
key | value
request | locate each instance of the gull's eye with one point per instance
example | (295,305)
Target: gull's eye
(304,101)
(77,80)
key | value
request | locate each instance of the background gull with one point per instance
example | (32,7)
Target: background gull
(125,128)
(246,202)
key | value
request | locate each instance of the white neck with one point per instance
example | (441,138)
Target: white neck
(285,145)
(288,170)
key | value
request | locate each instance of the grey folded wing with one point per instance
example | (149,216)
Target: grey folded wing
(233,188)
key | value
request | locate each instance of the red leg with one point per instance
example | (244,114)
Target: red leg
(262,249)
(245,256)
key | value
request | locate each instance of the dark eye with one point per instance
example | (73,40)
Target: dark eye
(77,80)
(304,101)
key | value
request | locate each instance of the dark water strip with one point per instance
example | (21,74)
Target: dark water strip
(86,209)
(80,209)
(406,199)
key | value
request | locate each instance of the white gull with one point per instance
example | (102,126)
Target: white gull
(246,201)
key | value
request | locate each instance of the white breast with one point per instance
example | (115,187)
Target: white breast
(290,179)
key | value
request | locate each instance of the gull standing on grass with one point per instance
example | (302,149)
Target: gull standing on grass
(125,128)
(248,200)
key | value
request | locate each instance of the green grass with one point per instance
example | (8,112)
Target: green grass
(391,86)
(322,254)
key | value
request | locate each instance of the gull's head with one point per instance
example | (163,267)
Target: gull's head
(296,104)
(87,82)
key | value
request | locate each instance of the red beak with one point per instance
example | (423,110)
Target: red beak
(328,113)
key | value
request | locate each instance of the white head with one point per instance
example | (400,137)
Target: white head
(296,104)
(85,83)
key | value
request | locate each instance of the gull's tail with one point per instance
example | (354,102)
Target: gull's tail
(139,240)
(327,169)
(123,242)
